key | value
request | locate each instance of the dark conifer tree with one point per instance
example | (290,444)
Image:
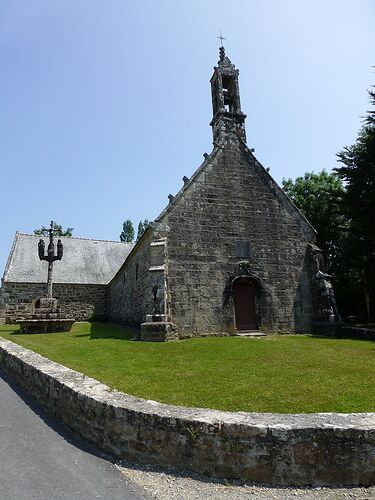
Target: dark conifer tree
(142,226)
(358,173)
(127,233)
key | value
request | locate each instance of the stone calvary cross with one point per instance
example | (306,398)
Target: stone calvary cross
(47,317)
(50,257)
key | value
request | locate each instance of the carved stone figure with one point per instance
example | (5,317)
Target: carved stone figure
(41,249)
(50,257)
(324,302)
(156,300)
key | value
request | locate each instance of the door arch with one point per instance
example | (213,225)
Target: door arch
(244,300)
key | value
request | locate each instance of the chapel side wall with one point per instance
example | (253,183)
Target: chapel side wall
(130,297)
(233,198)
(81,302)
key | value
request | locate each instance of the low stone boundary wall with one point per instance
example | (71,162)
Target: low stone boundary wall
(351,332)
(317,449)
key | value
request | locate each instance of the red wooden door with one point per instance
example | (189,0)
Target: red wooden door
(244,306)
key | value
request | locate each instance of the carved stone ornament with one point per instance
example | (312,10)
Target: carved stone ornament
(241,269)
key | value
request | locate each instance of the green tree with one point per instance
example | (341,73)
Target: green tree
(57,230)
(127,233)
(319,197)
(370,118)
(142,226)
(358,173)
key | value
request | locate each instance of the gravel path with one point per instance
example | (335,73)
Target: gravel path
(162,485)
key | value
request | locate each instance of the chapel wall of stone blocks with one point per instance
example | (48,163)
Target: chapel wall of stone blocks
(79,301)
(130,291)
(231,220)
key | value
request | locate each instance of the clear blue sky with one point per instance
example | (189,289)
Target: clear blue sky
(105,105)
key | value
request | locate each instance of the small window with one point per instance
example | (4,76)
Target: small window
(136,271)
(243,250)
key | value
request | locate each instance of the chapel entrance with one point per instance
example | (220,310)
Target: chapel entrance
(244,305)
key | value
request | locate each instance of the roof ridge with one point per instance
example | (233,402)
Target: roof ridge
(78,238)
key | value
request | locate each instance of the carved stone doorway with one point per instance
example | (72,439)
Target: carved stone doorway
(244,304)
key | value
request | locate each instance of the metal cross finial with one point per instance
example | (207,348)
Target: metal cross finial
(221,38)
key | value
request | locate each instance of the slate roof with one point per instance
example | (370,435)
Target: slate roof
(85,261)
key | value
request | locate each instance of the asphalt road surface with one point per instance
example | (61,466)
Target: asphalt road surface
(41,459)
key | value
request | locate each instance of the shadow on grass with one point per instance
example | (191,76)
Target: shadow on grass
(92,330)
(10,330)
(344,336)
(109,331)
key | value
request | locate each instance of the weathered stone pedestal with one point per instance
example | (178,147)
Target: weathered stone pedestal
(156,318)
(2,315)
(45,325)
(159,331)
(46,319)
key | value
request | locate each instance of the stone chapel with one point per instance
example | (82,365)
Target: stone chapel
(230,253)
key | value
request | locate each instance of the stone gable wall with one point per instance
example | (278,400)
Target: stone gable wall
(233,198)
(130,291)
(81,302)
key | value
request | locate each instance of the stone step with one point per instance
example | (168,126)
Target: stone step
(251,333)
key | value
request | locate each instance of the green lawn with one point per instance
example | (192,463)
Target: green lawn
(286,373)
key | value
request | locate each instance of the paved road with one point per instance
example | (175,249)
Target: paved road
(41,459)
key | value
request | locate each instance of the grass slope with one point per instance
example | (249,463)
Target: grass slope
(286,374)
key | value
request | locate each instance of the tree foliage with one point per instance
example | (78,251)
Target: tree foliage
(319,196)
(57,231)
(127,233)
(142,226)
(358,173)
(370,118)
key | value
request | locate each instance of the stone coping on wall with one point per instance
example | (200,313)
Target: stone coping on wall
(284,449)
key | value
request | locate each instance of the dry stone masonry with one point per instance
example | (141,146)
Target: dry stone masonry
(313,449)
(82,302)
